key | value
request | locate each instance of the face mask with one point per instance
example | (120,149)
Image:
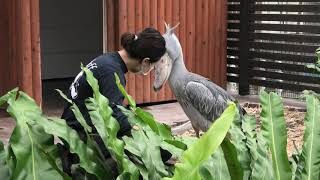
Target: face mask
(145,68)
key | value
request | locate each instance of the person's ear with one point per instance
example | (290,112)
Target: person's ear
(146,60)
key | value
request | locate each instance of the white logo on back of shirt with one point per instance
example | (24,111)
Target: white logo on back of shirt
(75,84)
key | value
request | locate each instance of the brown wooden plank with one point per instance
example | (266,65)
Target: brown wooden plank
(161,28)
(175,21)
(111,25)
(123,27)
(205,34)
(218,43)
(13,68)
(154,24)
(4,46)
(146,23)
(139,86)
(24,46)
(35,58)
(182,27)
(190,35)
(198,36)
(131,28)
(212,37)
(169,20)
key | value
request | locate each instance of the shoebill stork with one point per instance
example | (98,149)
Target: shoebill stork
(202,100)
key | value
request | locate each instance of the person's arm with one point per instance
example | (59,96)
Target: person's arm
(109,89)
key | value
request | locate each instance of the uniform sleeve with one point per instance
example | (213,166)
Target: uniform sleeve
(110,90)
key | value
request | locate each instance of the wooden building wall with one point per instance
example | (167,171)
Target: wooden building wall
(20,47)
(202,33)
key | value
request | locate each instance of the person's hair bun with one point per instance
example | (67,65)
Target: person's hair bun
(127,40)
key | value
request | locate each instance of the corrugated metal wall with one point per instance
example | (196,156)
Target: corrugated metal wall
(202,33)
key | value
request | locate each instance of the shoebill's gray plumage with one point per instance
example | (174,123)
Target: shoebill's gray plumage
(202,100)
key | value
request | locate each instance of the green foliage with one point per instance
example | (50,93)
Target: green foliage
(231,149)
(260,164)
(274,131)
(316,65)
(202,149)
(310,157)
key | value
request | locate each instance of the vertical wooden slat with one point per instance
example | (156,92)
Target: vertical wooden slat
(111,24)
(207,32)
(197,63)
(131,28)
(146,23)
(183,36)
(138,28)
(24,46)
(191,34)
(13,78)
(168,19)
(123,27)
(4,46)
(35,40)
(212,35)
(217,41)
(202,33)
(153,23)
(175,21)
(161,28)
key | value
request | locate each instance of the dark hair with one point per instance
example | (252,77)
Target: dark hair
(148,43)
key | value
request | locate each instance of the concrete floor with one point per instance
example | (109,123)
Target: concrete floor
(170,113)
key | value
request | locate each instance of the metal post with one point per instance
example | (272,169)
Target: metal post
(244,48)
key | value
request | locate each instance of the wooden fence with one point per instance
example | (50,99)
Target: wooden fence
(271,41)
(202,33)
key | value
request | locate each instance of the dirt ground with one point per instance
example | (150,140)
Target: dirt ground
(294,121)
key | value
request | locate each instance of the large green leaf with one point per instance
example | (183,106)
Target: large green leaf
(76,111)
(161,129)
(203,148)
(143,117)
(9,95)
(310,156)
(107,126)
(4,167)
(173,144)
(232,160)
(236,152)
(30,162)
(215,168)
(89,160)
(261,164)
(274,130)
(131,101)
(146,145)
